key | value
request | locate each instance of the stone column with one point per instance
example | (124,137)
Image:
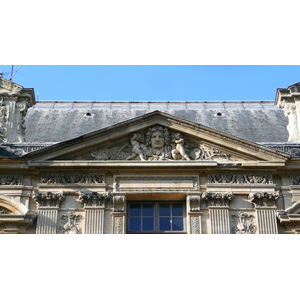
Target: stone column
(119,214)
(14,103)
(94,204)
(265,205)
(48,205)
(218,205)
(194,214)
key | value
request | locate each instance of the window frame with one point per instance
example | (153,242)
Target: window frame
(156,217)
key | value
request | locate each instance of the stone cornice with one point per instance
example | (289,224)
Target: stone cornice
(156,117)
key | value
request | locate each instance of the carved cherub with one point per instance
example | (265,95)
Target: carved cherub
(135,141)
(179,150)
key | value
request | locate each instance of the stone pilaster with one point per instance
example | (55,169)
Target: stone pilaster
(194,214)
(265,205)
(94,204)
(119,213)
(218,205)
(14,103)
(48,205)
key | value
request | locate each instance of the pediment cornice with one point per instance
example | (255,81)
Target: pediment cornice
(195,134)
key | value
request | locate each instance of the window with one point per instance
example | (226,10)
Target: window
(157,217)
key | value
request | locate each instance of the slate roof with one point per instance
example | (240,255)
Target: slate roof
(55,121)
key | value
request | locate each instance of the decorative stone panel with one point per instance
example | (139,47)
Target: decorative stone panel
(243,223)
(72,178)
(10,180)
(240,179)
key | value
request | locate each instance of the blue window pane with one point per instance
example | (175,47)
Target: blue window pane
(164,224)
(164,210)
(177,224)
(135,224)
(148,224)
(177,210)
(148,210)
(135,210)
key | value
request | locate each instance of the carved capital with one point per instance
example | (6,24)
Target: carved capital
(263,199)
(48,199)
(217,199)
(94,199)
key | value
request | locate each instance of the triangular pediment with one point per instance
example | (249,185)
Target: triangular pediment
(157,136)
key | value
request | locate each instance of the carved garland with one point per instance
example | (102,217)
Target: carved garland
(10,180)
(240,179)
(66,178)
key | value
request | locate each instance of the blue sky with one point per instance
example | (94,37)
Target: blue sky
(154,82)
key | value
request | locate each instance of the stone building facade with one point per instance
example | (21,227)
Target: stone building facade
(94,167)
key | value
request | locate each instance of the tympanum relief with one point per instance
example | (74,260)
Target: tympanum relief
(158,143)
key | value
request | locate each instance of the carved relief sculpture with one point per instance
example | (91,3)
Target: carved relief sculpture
(70,178)
(70,222)
(136,151)
(159,143)
(240,179)
(10,180)
(179,151)
(244,224)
